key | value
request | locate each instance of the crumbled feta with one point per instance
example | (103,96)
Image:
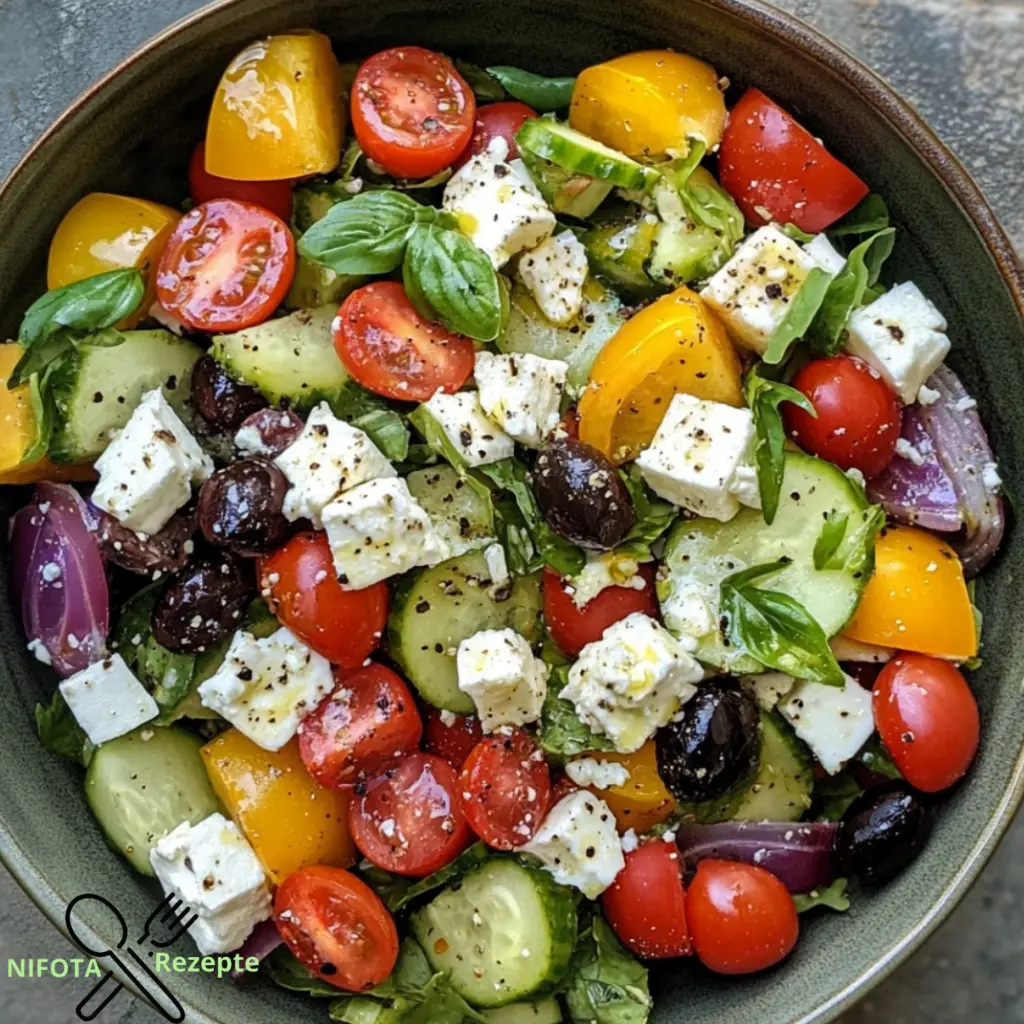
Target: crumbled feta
(927,395)
(632,681)
(697,455)
(522,393)
(689,610)
(845,649)
(966,403)
(579,845)
(328,458)
(589,771)
(107,700)
(555,272)
(497,565)
(630,842)
(476,438)
(990,476)
(249,440)
(448,719)
(500,673)
(215,871)
(603,570)
(901,336)
(39,651)
(147,471)
(905,450)
(265,687)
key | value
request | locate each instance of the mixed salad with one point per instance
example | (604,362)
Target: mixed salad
(521,538)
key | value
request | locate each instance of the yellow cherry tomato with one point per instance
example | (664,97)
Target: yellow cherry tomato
(290,820)
(104,232)
(643,801)
(674,345)
(917,599)
(279,111)
(649,104)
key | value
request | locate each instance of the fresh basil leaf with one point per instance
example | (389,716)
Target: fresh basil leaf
(37,359)
(776,629)
(833,897)
(472,857)
(542,93)
(109,337)
(653,515)
(390,888)
(856,552)
(877,759)
(485,86)
(562,734)
(288,972)
(803,308)
(387,430)
(834,794)
(833,530)
(44,412)
(792,231)
(869,216)
(60,733)
(681,168)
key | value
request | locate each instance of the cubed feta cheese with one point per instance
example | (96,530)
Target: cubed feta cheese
(107,700)
(824,253)
(845,649)
(700,456)
(579,845)
(834,721)
(901,335)
(591,772)
(630,683)
(497,564)
(768,687)
(265,687)
(378,530)
(500,212)
(147,471)
(476,438)
(522,393)
(603,570)
(500,673)
(215,871)
(329,457)
(555,272)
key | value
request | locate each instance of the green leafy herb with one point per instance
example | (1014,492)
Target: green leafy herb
(388,431)
(44,412)
(653,516)
(764,396)
(792,231)
(971,664)
(833,530)
(856,550)
(776,629)
(867,217)
(398,892)
(834,794)
(485,86)
(562,734)
(833,897)
(803,308)
(290,973)
(542,93)
(876,758)
(60,733)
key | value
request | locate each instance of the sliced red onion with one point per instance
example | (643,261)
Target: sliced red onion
(799,854)
(58,577)
(262,941)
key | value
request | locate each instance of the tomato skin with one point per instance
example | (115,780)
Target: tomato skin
(337,926)
(275,196)
(859,418)
(769,160)
(420,799)
(227,265)
(367,724)
(391,350)
(497,120)
(345,626)
(454,743)
(646,905)
(412,112)
(573,628)
(742,918)
(928,720)
(505,788)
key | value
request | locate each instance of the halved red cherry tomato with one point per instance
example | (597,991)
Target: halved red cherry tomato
(646,905)
(928,719)
(859,418)
(453,742)
(497,120)
(390,349)
(409,820)
(505,788)
(227,265)
(345,626)
(742,918)
(367,724)
(337,926)
(275,196)
(412,112)
(573,628)
(768,162)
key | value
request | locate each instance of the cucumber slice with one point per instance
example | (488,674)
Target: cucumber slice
(459,514)
(440,607)
(577,195)
(575,152)
(97,389)
(140,788)
(480,930)
(700,553)
(619,246)
(543,1011)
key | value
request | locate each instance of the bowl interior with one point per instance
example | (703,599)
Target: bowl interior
(135,135)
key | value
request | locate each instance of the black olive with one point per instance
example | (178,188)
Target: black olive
(882,831)
(203,603)
(713,746)
(166,551)
(240,507)
(581,495)
(272,431)
(220,400)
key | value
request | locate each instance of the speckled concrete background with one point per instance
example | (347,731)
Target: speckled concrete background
(960,63)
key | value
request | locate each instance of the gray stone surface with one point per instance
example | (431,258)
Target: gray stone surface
(959,62)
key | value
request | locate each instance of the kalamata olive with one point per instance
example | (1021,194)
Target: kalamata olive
(240,507)
(204,602)
(221,401)
(268,432)
(713,746)
(882,831)
(581,495)
(166,551)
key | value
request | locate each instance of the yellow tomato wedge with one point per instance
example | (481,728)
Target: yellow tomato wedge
(674,345)
(643,801)
(279,111)
(290,820)
(917,599)
(649,104)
